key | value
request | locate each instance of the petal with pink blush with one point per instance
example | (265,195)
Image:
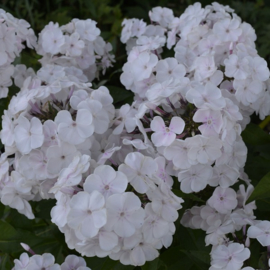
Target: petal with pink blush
(157,124)
(177,125)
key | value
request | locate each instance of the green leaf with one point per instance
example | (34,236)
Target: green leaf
(190,196)
(263,262)
(44,208)
(96,263)
(119,94)
(175,260)
(200,258)
(2,209)
(256,167)
(153,265)
(262,190)
(5,262)
(254,135)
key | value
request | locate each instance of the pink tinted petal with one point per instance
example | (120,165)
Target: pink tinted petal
(157,124)
(177,125)
(163,138)
(134,160)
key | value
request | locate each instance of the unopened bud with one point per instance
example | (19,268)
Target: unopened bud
(247,242)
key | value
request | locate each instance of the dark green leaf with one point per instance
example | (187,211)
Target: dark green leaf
(119,94)
(262,190)
(190,196)
(254,135)
(5,262)
(153,265)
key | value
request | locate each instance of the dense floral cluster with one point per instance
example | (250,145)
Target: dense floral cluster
(76,44)
(67,142)
(114,172)
(194,107)
(13,33)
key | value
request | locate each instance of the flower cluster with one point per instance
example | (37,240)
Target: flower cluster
(47,261)
(76,44)
(65,140)
(192,108)
(13,33)
(114,172)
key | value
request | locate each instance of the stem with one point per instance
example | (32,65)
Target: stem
(265,122)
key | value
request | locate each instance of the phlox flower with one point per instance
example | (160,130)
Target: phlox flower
(195,178)
(87,214)
(260,231)
(52,40)
(87,29)
(45,261)
(124,213)
(139,170)
(164,136)
(223,200)
(106,180)
(28,134)
(229,257)
(74,132)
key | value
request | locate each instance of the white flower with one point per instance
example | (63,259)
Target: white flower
(178,153)
(237,68)
(164,136)
(208,96)
(73,262)
(87,29)
(139,170)
(87,214)
(229,257)
(154,226)
(106,180)
(124,213)
(59,157)
(28,134)
(99,117)
(169,67)
(74,132)
(52,40)
(143,65)
(163,16)
(203,149)
(195,178)
(260,231)
(227,29)
(211,119)
(22,263)
(72,175)
(43,262)
(73,46)
(223,200)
